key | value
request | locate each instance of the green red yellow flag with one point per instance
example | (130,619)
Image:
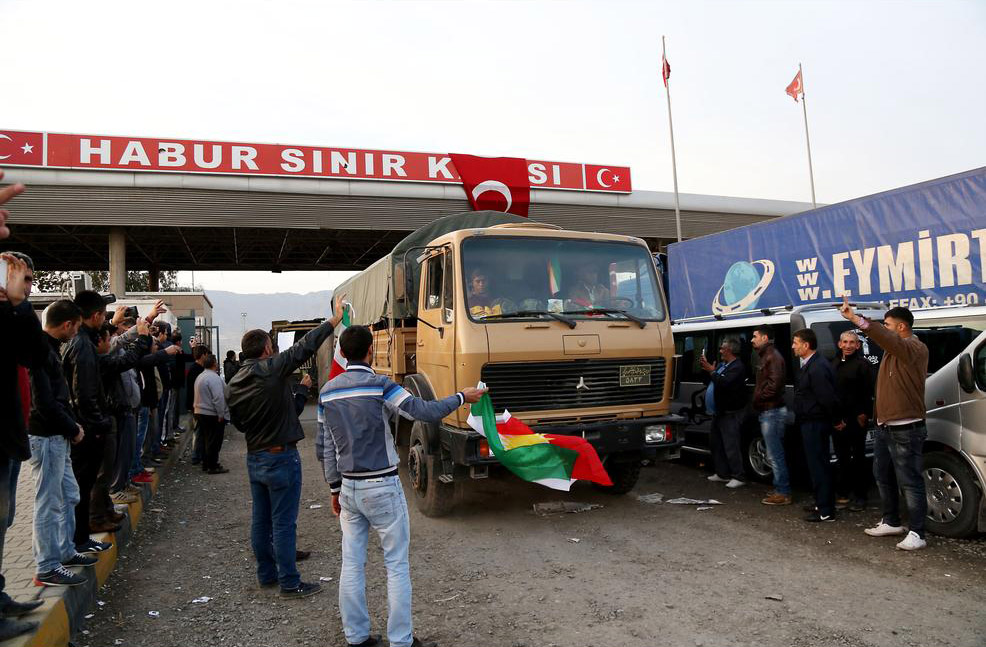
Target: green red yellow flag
(552,460)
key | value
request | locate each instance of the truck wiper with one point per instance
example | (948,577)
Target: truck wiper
(608,311)
(531,313)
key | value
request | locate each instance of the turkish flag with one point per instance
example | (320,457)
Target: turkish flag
(796,87)
(495,183)
(665,70)
(21,148)
(607,178)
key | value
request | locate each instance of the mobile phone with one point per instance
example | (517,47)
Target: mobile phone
(4,266)
(130,312)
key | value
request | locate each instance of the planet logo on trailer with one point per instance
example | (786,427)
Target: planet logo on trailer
(743,286)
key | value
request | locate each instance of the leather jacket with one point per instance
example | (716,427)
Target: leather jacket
(80,364)
(261,400)
(769,391)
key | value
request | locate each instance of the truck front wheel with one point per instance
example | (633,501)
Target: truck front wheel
(432,497)
(624,476)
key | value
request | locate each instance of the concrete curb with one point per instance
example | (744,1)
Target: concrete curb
(63,613)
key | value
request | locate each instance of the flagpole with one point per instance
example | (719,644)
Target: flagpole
(804,110)
(674,164)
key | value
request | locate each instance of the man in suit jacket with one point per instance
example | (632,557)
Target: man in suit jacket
(726,399)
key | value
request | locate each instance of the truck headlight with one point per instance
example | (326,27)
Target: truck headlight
(657,433)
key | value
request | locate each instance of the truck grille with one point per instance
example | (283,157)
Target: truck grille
(543,386)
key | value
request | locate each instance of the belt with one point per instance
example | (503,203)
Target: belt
(369,477)
(907,427)
(277,449)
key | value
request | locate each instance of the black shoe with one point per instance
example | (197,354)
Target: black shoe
(93,546)
(857,506)
(59,576)
(418,643)
(810,508)
(372,641)
(817,517)
(81,560)
(268,585)
(302,555)
(219,469)
(10,628)
(15,609)
(303,590)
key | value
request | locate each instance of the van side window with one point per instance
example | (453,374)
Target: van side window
(746,348)
(433,286)
(690,347)
(979,364)
(945,343)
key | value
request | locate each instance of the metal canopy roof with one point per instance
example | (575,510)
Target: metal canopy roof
(182,222)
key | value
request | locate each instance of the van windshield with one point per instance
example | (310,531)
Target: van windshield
(580,278)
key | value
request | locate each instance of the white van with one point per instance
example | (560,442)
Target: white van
(955,397)
(693,336)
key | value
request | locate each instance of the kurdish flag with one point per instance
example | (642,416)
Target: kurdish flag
(339,362)
(553,461)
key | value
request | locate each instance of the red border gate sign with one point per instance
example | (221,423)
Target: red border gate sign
(54,150)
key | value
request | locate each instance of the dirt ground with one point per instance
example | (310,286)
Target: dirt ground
(496,574)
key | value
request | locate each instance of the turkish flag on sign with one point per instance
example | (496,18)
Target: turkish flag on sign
(495,183)
(21,148)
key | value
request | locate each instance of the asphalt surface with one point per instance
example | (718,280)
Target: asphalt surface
(495,573)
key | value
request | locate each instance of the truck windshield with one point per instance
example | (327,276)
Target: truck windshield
(576,277)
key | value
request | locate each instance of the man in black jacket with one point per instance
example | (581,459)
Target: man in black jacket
(815,411)
(53,430)
(21,327)
(854,379)
(80,362)
(262,406)
(112,364)
(726,400)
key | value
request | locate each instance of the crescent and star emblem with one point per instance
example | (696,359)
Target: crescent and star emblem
(599,178)
(493,185)
(2,136)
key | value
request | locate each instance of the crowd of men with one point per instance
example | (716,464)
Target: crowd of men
(91,403)
(93,396)
(834,402)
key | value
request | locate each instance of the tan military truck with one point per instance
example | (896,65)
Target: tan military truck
(569,330)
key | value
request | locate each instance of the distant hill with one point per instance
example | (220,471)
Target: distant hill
(261,309)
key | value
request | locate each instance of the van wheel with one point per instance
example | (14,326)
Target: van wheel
(757,462)
(623,475)
(432,497)
(953,498)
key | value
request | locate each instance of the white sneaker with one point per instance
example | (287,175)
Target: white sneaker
(715,478)
(912,542)
(735,483)
(884,530)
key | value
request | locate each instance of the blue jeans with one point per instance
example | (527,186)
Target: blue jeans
(5,495)
(56,493)
(815,437)
(378,504)
(772,423)
(143,421)
(15,473)
(275,485)
(162,421)
(898,459)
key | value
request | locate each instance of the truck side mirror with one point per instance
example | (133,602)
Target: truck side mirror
(967,377)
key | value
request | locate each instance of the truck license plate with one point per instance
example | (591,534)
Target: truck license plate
(635,375)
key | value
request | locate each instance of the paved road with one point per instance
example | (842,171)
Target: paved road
(496,574)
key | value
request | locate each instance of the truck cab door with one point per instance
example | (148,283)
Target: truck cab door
(436,326)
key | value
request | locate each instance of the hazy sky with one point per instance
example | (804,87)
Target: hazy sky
(895,89)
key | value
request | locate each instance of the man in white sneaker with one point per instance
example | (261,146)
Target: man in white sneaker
(900,433)
(726,399)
